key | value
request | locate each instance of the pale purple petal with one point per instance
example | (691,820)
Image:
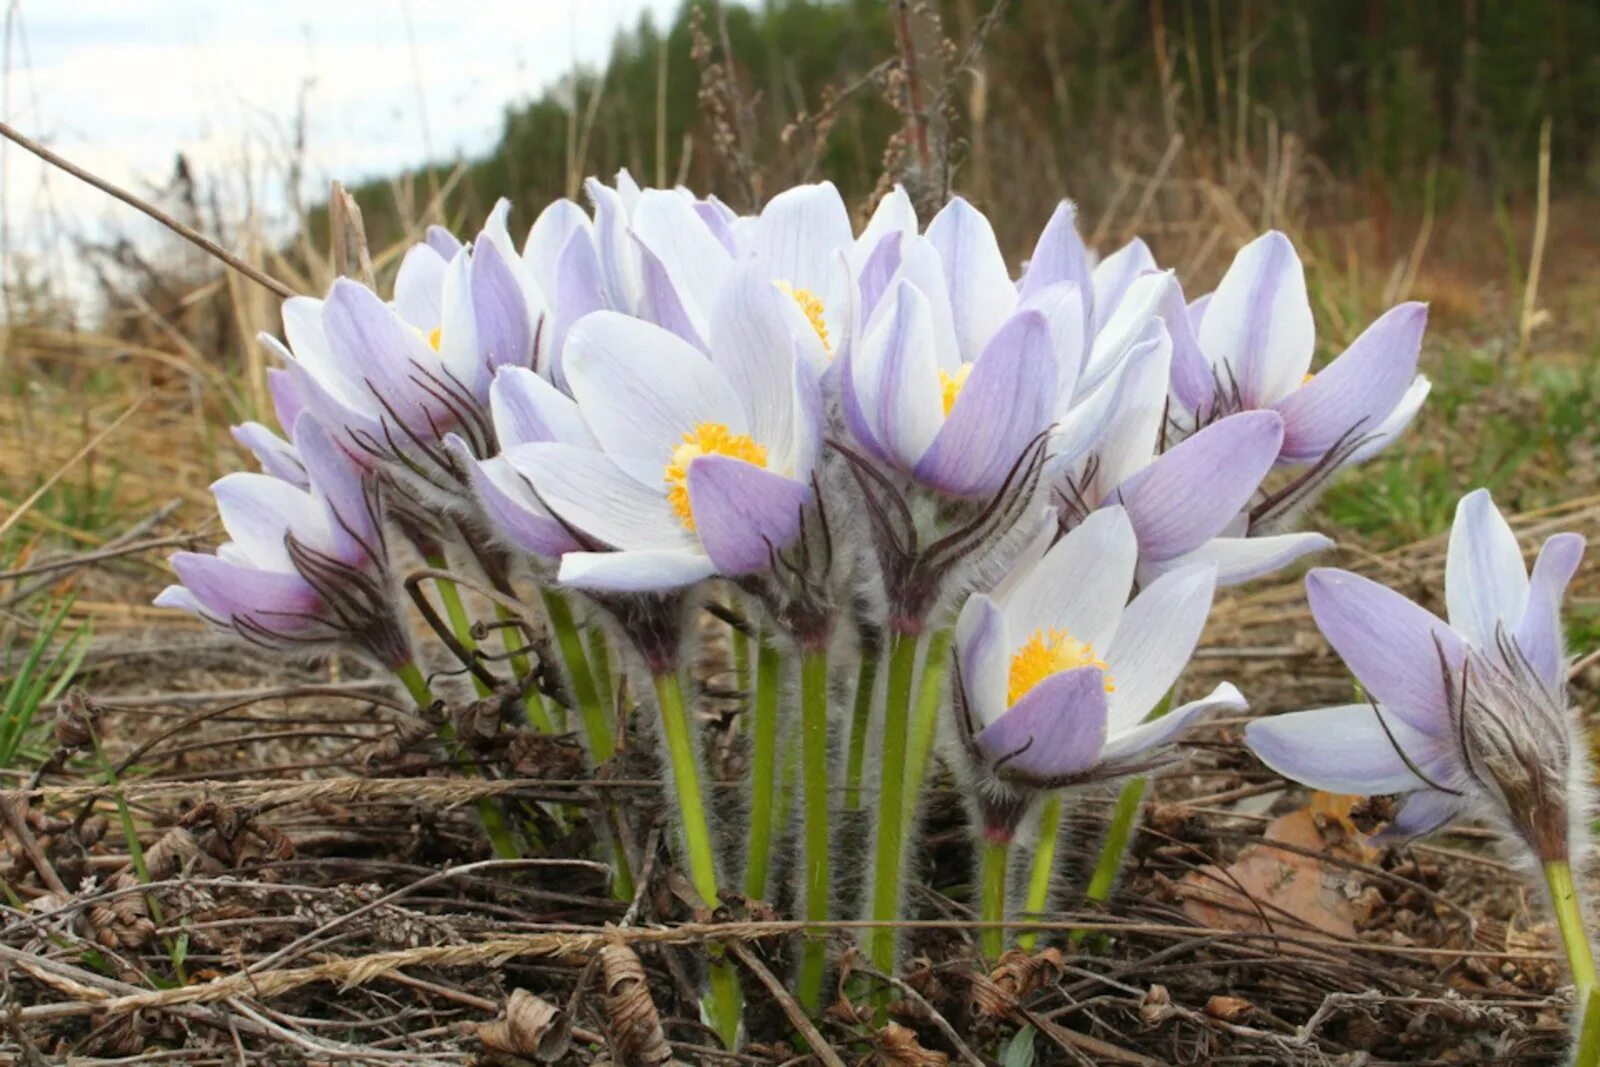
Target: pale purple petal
(661,303)
(1131,438)
(1346,749)
(374,346)
(634,572)
(1193,383)
(1393,426)
(1190,492)
(894,376)
(921,265)
(276,456)
(1062,306)
(798,232)
(695,261)
(527,409)
(287,403)
(744,515)
(548,239)
(276,599)
(1538,633)
(1485,580)
(982,294)
(984,657)
(1113,275)
(443,242)
(342,488)
(641,389)
(1080,586)
(259,511)
(1059,256)
(1057,728)
(1358,390)
(1154,640)
(753,344)
(1391,645)
(613,248)
(718,218)
(877,272)
(1421,813)
(599,498)
(500,310)
(510,505)
(1134,321)
(418,286)
(580,289)
(1259,321)
(1007,401)
(1136,740)
(1244,559)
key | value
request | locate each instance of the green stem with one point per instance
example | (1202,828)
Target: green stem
(595,726)
(1569,917)
(456,611)
(860,721)
(494,823)
(764,766)
(600,665)
(1044,864)
(1130,802)
(740,642)
(814,754)
(925,725)
(1588,1051)
(538,714)
(725,997)
(996,858)
(889,854)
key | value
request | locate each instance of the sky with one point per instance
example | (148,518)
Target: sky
(121,87)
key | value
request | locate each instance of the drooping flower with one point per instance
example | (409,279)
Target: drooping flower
(1465,718)
(703,462)
(1057,671)
(306,568)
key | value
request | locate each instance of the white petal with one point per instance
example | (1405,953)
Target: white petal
(1149,735)
(633,572)
(1154,641)
(798,232)
(600,498)
(1259,321)
(694,259)
(1081,585)
(982,294)
(1485,581)
(984,647)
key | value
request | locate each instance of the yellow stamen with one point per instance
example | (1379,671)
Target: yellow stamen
(433,337)
(1048,652)
(951,385)
(706,439)
(1307,378)
(811,306)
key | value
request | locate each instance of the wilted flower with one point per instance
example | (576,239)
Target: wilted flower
(1057,671)
(1468,718)
(305,569)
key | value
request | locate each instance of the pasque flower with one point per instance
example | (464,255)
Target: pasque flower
(1057,670)
(702,463)
(391,379)
(1249,345)
(306,567)
(1465,718)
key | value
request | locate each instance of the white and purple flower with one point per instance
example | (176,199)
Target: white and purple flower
(1465,718)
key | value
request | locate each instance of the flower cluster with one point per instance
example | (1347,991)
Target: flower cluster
(850,444)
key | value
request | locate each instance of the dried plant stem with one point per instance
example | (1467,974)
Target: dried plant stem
(494,824)
(538,714)
(598,731)
(1044,865)
(889,854)
(925,723)
(1123,820)
(814,756)
(860,721)
(763,767)
(996,858)
(725,1006)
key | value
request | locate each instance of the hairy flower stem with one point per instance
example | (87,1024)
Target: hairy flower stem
(814,754)
(996,858)
(538,714)
(494,823)
(1044,863)
(595,727)
(925,724)
(739,641)
(726,1006)
(1569,917)
(890,852)
(860,721)
(456,611)
(1130,802)
(763,767)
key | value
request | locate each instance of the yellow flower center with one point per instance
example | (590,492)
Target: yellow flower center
(433,337)
(811,306)
(951,385)
(1049,652)
(1307,379)
(706,439)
